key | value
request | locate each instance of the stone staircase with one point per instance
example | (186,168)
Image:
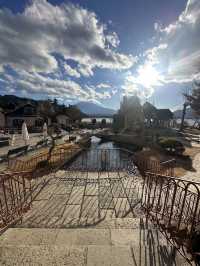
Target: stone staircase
(116,242)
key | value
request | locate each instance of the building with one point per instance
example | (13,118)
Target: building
(63,120)
(130,116)
(2,118)
(164,117)
(26,113)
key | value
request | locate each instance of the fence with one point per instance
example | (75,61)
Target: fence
(173,204)
(15,197)
(148,165)
(57,158)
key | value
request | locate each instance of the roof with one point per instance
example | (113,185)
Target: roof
(164,114)
(19,111)
(61,114)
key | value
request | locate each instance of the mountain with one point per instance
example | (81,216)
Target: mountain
(189,114)
(93,109)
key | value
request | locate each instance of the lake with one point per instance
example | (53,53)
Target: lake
(98,119)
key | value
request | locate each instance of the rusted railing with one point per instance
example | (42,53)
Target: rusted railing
(173,204)
(148,165)
(15,197)
(57,158)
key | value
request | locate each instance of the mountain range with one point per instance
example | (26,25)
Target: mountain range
(189,114)
(93,109)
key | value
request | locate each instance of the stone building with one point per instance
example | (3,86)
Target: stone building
(63,120)
(26,113)
(130,116)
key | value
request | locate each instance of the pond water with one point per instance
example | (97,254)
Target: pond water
(100,156)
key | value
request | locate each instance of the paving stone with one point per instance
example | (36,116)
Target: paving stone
(134,237)
(106,202)
(71,212)
(42,255)
(24,236)
(157,255)
(76,195)
(83,237)
(109,256)
(122,206)
(90,206)
(91,189)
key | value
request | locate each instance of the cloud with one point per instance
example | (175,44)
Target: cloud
(29,40)
(174,59)
(103,86)
(113,39)
(36,84)
(85,70)
(71,71)
(178,54)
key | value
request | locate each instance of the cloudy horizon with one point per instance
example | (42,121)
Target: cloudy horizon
(98,52)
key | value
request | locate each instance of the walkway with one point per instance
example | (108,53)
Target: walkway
(194,175)
(87,219)
(74,199)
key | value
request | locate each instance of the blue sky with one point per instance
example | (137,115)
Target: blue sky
(91,50)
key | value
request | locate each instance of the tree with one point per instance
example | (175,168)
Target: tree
(46,109)
(94,121)
(103,122)
(194,98)
(150,113)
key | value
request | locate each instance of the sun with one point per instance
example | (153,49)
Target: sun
(148,76)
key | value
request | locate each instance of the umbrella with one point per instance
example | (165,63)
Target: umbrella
(25,134)
(13,140)
(45,133)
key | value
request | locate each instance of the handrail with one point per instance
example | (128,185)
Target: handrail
(174,205)
(16,197)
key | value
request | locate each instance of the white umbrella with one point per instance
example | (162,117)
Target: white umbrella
(13,140)
(25,134)
(45,133)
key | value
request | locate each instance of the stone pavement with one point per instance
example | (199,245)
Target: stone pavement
(88,219)
(72,199)
(87,247)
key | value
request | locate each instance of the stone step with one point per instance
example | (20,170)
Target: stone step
(109,222)
(91,236)
(92,255)
(87,247)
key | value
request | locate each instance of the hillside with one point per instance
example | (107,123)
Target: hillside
(189,114)
(93,109)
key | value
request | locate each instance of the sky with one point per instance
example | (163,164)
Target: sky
(100,50)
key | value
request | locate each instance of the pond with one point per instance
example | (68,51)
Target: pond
(100,156)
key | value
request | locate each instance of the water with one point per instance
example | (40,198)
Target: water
(88,120)
(101,157)
(190,122)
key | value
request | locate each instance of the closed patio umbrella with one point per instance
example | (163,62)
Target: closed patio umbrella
(25,134)
(45,133)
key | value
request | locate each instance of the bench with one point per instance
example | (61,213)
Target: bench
(58,137)
(17,151)
(4,138)
(41,143)
(4,143)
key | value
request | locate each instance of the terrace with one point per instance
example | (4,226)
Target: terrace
(99,201)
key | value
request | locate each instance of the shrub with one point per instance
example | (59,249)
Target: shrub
(172,145)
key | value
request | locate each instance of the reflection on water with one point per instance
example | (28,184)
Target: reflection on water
(101,157)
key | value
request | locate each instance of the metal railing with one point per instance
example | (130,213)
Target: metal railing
(148,165)
(57,158)
(174,205)
(15,197)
